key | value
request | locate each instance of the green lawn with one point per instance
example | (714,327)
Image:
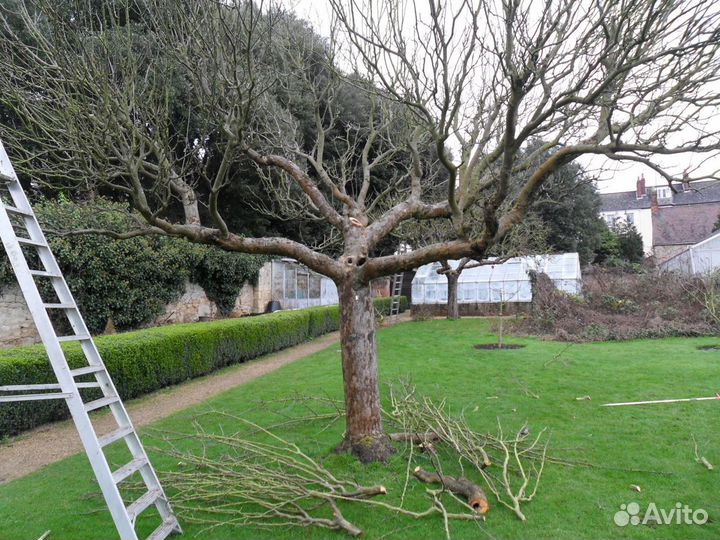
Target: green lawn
(572,502)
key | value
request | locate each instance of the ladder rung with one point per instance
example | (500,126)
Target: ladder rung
(32,397)
(17,211)
(140,505)
(164,530)
(126,470)
(23,387)
(102,402)
(88,384)
(54,386)
(44,273)
(5,179)
(86,370)
(80,337)
(59,306)
(29,242)
(116,435)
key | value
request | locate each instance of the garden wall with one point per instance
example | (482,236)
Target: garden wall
(16,325)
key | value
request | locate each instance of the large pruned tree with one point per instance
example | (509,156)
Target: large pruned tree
(627,80)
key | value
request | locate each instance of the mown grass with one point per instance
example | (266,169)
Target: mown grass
(439,358)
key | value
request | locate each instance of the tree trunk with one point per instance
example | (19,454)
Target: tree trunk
(188,199)
(453,309)
(364,434)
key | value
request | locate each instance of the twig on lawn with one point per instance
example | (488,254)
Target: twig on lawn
(558,356)
(702,460)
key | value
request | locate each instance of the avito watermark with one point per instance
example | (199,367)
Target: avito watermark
(680,514)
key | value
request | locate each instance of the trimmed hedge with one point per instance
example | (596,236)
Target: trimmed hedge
(143,361)
(382,305)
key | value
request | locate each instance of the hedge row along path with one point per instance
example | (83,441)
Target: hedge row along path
(47,444)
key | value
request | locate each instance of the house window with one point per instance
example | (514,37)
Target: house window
(664,193)
(630,218)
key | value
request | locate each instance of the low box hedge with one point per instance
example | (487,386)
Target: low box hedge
(143,361)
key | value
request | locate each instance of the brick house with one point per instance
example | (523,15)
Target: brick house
(668,222)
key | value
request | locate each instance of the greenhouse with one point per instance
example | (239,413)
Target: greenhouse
(703,258)
(295,286)
(498,283)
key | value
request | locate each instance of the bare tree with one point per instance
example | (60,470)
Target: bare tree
(528,238)
(627,80)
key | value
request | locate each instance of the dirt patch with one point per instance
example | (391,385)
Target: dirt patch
(496,347)
(709,348)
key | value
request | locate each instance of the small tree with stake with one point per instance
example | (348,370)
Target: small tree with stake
(98,92)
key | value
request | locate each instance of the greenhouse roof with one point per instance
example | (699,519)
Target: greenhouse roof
(563,266)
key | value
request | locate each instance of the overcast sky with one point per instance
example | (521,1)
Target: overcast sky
(612,176)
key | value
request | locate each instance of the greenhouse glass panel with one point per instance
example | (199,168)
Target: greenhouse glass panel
(467,292)
(503,282)
(290,283)
(442,293)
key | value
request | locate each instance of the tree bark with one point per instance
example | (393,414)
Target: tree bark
(453,309)
(189,201)
(364,434)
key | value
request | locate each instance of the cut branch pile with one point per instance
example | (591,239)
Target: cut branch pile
(240,481)
(255,477)
(511,467)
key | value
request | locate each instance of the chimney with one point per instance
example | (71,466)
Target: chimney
(686,181)
(654,207)
(640,190)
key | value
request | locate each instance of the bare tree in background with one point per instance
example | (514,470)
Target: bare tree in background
(627,80)
(529,237)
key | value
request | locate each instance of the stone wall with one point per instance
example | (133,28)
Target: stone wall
(194,305)
(663,253)
(16,325)
(17,328)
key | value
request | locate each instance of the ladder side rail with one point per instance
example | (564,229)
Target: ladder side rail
(101,468)
(77,322)
(64,377)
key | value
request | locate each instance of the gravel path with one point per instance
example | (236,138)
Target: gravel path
(47,444)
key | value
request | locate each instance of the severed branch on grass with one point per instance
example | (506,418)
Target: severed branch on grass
(702,460)
(258,478)
(474,494)
(511,467)
(261,479)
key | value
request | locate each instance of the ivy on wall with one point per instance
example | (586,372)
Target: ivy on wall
(131,281)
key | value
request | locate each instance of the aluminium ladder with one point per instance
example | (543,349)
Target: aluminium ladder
(15,215)
(395,294)
(396,286)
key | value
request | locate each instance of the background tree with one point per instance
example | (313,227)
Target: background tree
(618,79)
(528,238)
(620,245)
(569,206)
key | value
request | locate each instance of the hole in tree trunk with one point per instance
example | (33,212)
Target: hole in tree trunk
(361,261)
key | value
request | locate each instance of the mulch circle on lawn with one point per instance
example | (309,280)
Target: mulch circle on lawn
(715,347)
(496,347)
